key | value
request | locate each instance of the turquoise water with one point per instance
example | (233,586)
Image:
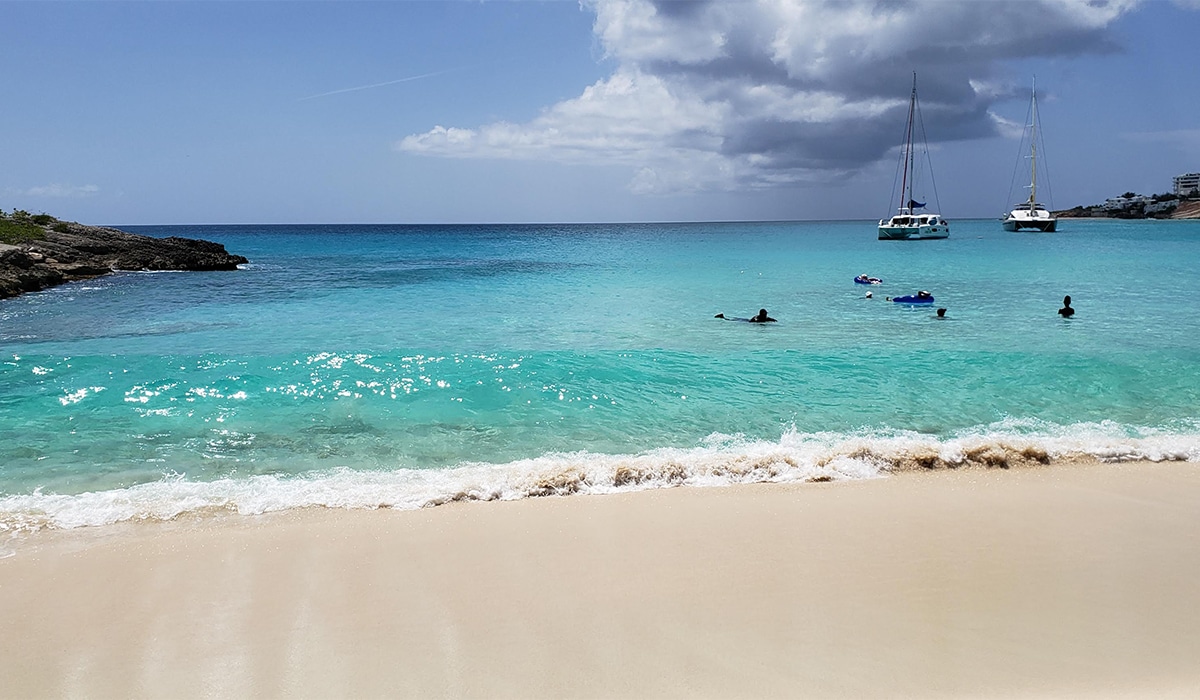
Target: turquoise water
(402,366)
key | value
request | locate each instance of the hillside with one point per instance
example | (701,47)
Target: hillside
(1187,210)
(1136,206)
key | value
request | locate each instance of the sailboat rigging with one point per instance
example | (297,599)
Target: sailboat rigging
(907,223)
(1031,214)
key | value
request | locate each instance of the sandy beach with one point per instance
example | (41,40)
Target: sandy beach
(1062,581)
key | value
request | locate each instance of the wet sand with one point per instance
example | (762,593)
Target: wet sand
(1061,581)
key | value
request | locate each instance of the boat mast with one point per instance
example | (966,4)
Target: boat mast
(1033,153)
(906,182)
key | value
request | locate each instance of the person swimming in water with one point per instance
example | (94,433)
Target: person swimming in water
(762,317)
(1066,311)
(941,313)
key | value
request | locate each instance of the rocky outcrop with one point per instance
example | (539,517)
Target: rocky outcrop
(69,252)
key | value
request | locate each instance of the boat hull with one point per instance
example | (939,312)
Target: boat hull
(913,233)
(1045,225)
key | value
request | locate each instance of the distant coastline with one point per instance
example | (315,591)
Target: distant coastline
(38,251)
(1135,206)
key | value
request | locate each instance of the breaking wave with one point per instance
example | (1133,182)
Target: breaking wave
(719,460)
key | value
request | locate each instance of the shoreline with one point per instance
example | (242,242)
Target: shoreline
(794,458)
(1043,581)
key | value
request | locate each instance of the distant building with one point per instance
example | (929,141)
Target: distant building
(1123,203)
(1160,207)
(1187,185)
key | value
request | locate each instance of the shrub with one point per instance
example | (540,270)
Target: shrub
(16,230)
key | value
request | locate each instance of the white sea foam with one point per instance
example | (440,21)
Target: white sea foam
(719,460)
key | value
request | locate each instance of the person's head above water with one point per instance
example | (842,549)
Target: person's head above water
(762,317)
(1066,311)
(941,313)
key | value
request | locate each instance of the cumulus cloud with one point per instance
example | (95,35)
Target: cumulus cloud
(58,190)
(711,94)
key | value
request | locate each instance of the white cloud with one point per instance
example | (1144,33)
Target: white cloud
(635,31)
(741,95)
(60,191)
(626,118)
(1007,127)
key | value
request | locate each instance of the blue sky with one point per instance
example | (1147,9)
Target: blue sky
(606,110)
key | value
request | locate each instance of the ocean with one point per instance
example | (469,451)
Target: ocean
(404,366)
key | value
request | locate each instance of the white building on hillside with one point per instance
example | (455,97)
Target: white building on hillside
(1158,207)
(1187,185)
(1123,203)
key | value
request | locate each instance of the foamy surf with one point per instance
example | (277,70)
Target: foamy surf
(719,461)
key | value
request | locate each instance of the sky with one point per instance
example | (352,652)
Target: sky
(260,111)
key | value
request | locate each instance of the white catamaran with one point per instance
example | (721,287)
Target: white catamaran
(1031,214)
(908,224)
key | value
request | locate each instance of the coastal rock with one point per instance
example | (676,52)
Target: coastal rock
(69,251)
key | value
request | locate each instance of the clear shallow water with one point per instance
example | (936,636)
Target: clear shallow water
(407,365)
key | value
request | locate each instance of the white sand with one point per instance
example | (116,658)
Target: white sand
(1066,581)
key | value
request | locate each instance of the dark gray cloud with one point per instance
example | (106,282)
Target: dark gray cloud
(720,94)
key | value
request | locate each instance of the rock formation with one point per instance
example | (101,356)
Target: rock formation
(65,252)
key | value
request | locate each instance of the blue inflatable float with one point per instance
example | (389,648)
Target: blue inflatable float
(918,298)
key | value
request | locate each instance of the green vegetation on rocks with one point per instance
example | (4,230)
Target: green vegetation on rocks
(21,226)
(39,251)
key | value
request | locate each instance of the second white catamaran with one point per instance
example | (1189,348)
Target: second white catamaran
(1031,214)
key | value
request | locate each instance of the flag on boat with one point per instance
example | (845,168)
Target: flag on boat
(914,204)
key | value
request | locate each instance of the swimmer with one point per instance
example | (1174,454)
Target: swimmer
(762,317)
(1066,311)
(941,313)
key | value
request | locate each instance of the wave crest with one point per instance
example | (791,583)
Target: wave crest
(719,460)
